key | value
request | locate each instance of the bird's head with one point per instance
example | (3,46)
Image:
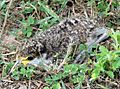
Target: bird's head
(31,50)
(25,60)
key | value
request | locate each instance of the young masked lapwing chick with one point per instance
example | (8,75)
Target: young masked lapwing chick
(56,40)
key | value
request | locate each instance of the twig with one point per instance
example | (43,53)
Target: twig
(6,80)
(85,12)
(5,20)
(63,62)
(88,86)
(15,65)
(9,53)
(29,84)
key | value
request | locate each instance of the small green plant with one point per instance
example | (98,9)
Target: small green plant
(2,4)
(32,9)
(54,86)
(108,61)
(23,72)
(6,67)
(74,73)
(27,28)
(103,7)
(20,72)
(51,16)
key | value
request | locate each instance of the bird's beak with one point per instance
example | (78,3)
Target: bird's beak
(25,60)
(19,61)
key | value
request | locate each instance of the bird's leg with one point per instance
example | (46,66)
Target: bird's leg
(81,56)
(98,36)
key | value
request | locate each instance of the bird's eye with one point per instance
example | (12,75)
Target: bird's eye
(43,50)
(30,58)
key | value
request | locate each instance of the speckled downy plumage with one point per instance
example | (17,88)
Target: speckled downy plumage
(74,30)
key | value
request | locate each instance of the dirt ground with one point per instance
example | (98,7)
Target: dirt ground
(11,41)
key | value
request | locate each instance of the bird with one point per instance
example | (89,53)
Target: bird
(58,39)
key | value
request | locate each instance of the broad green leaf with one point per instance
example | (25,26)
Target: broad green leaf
(110,74)
(24,23)
(29,31)
(95,73)
(24,31)
(118,38)
(78,78)
(56,77)
(103,49)
(28,10)
(30,20)
(82,47)
(23,71)
(90,2)
(46,88)
(56,86)
(29,34)
(116,63)
(16,75)
(72,68)
(2,3)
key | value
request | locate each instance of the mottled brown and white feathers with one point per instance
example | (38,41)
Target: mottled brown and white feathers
(74,30)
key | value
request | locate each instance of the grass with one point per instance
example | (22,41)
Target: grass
(107,60)
(23,19)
